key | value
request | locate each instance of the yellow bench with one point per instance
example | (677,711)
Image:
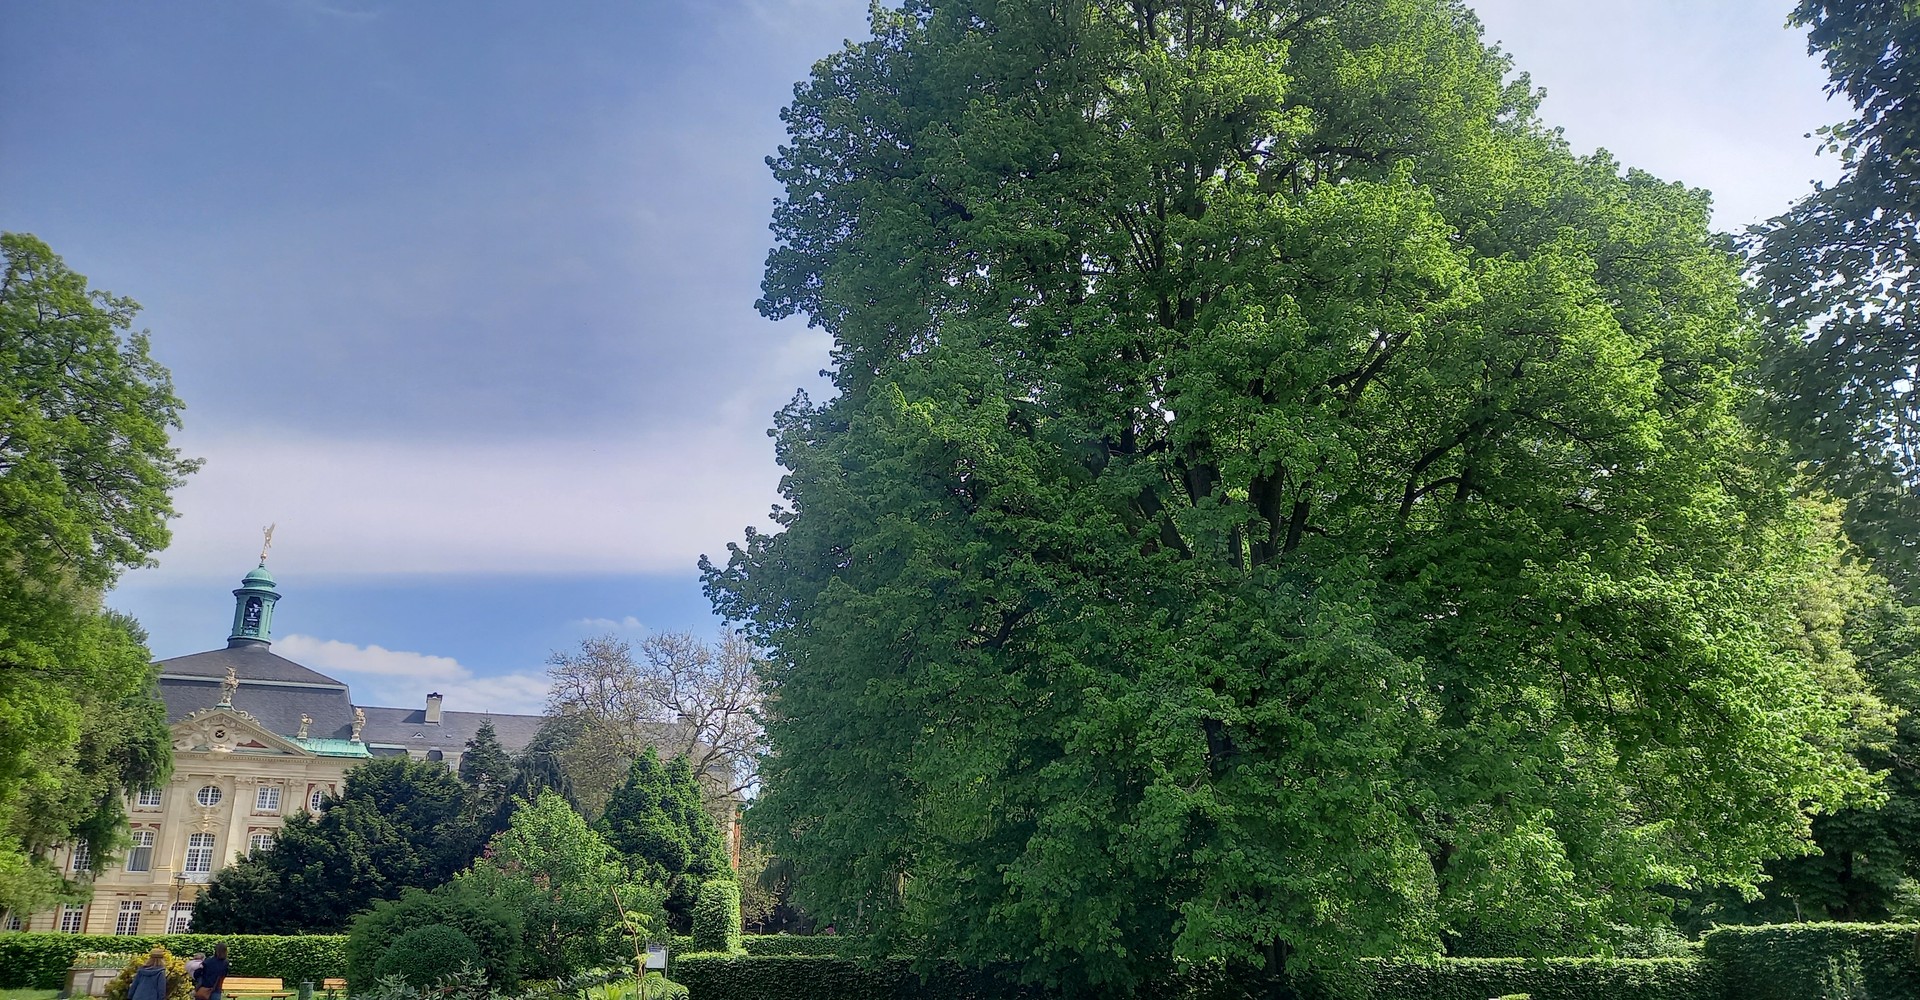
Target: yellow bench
(334,985)
(241,986)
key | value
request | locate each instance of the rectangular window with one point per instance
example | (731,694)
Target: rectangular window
(82,857)
(259,842)
(72,918)
(179,918)
(140,855)
(199,854)
(267,799)
(149,798)
(129,920)
(13,922)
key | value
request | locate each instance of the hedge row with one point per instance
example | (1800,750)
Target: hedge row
(1792,961)
(715,976)
(712,976)
(40,961)
(1541,979)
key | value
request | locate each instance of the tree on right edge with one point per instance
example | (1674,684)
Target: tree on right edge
(1278,505)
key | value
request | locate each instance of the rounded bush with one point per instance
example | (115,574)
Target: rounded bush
(424,955)
(178,987)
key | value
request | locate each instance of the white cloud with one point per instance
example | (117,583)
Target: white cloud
(628,622)
(400,678)
(646,504)
(344,657)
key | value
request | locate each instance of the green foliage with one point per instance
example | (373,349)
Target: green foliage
(495,927)
(555,871)
(657,821)
(1278,505)
(399,824)
(1799,961)
(85,472)
(427,954)
(716,917)
(468,983)
(1837,276)
(41,961)
(654,986)
(1541,979)
(179,987)
(800,978)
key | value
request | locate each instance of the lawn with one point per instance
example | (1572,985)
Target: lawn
(28,994)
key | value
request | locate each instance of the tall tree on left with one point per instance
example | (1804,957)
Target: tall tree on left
(86,469)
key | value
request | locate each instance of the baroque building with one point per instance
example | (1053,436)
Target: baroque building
(256,738)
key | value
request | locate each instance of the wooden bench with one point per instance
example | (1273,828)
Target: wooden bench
(334,985)
(241,986)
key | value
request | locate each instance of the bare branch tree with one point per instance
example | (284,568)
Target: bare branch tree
(680,695)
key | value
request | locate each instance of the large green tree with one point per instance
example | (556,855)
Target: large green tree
(85,471)
(657,821)
(569,887)
(1278,503)
(398,824)
(1838,276)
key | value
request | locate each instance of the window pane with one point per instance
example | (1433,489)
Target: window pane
(128,922)
(199,854)
(149,798)
(140,855)
(82,857)
(180,918)
(266,800)
(71,918)
(209,796)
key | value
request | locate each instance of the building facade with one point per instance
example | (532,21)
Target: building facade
(256,738)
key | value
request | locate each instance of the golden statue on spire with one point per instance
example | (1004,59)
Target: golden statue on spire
(266,541)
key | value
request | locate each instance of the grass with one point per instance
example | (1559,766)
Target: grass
(28,994)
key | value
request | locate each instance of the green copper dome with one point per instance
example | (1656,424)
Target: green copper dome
(253,609)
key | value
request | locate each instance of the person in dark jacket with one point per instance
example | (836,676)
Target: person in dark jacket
(213,972)
(150,980)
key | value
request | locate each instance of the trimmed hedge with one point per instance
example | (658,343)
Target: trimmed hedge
(1540,978)
(39,961)
(1794,961)
(716,916)
(792,944)
(712,976)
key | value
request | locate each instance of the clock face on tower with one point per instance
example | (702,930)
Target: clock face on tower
(252,617)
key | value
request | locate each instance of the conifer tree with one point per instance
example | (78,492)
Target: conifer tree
(657,821)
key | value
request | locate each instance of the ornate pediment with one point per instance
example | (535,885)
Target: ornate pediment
(229,730)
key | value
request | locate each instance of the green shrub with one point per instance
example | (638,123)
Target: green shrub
(491,926)
(1797,961)
(713,976)
(716,916)
(425,955)
(179,987)
(1540,978)
(792,944)
(654,986)
(40,961)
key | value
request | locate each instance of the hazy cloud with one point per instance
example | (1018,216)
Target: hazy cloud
(399,678)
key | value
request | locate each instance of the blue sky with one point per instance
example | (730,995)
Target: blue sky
(461,295)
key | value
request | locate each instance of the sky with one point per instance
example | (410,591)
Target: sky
(460,295)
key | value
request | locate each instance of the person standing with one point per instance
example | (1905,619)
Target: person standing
(213,972)
(150,980)
(193,965)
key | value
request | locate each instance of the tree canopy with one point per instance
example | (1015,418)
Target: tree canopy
(1837,276)
(567,883)
(86,468)
(398,824)
(1278,503)
(658,821)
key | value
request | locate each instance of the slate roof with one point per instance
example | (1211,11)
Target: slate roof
(251,661)
(408,728)
(278,706)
